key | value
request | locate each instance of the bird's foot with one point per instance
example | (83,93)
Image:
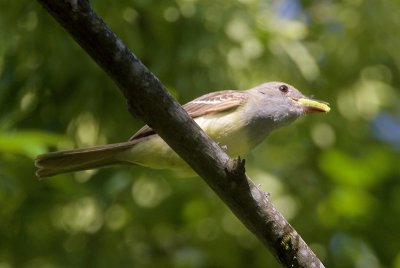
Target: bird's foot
(223,147)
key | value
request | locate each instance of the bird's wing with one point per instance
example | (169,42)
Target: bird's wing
(214,102)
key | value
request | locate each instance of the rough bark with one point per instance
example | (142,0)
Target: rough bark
(148,100)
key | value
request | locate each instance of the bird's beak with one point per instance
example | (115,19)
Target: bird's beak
(312,106)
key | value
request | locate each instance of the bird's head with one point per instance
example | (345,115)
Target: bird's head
(282,102)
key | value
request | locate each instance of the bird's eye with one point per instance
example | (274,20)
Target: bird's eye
(283,88)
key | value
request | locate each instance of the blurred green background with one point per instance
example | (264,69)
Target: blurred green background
(335,177)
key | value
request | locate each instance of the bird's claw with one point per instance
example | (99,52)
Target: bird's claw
(223,147)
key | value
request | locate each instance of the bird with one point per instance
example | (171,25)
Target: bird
(238,120)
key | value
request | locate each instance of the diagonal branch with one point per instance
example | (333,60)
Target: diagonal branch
(149,100)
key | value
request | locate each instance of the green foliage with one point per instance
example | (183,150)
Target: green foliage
(334,176)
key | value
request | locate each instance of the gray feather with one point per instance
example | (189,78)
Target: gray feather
(80,159)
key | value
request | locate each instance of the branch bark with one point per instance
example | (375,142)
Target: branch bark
(150,101)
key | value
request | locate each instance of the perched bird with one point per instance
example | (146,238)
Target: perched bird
(237,120)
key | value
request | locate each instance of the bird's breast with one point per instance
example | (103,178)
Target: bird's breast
(229,130)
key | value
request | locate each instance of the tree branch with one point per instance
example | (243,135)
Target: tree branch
(148,99)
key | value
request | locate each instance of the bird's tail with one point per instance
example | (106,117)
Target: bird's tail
(80,159)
